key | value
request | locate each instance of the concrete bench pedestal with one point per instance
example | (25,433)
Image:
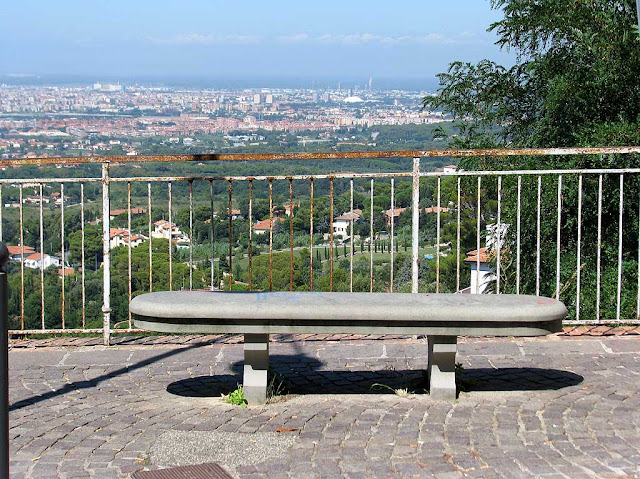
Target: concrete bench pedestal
(441,371)
(256,367)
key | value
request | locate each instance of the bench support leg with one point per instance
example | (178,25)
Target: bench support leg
(256,365)
(442,367)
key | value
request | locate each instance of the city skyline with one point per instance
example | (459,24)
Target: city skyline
(217,40)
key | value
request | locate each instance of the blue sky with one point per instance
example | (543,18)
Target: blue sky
(324,39)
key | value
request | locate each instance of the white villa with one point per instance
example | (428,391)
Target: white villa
(342,223)
(263,226)
(481,277)
(166,230)
(34,261)
(120,237)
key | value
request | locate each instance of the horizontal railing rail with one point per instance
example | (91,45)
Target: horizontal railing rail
(333,155)
(537,237)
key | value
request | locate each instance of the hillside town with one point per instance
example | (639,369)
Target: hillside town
(110,118)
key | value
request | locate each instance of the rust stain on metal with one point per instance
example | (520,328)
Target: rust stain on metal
(21,262)
(150,240)
(62,297)
(311,236)
(202,471)
(371,240)
(291,234)
(334,155)
(250,235)
(270,235)
(230,235)
(129,272)
(190,234)
(331,234)
(170,206)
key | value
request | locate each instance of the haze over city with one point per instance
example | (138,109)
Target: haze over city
(254,44)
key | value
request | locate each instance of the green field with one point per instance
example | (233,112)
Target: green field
(244,262)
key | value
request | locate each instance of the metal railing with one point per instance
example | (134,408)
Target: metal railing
(521,257)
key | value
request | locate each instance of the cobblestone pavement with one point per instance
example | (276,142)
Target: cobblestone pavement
(557,407)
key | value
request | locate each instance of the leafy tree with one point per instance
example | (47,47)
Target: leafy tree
(577,73)
(575,82)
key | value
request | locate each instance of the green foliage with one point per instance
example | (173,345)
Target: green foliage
(576,82)
(577,69)
(237,397)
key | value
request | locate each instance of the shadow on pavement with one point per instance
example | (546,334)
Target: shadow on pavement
(88,384)
(205,386)
(303,374)
(517,379)
(299,374)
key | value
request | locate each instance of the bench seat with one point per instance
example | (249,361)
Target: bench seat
(441,317)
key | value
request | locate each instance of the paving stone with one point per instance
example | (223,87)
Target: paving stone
(558,407)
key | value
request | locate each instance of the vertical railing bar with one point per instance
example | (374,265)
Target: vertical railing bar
(538,236)
(499,234)
(478,236)
(212,239)
(311,235)
(129,272)
(579,250)
(618,304)
(4,365)
(170,206)
(415,223)
(190,235)
(558,229)
(331,247)
(106,255)
(250,214)
(1,237)
(62,297)
(42,314)
(21,260)
(599,248)
(519,216)
(371,239)
(638,298)
(393,207)
(82,260)
(270,235)
(230,208)
(351,236)
(291,234)
(438,240)
(458,241)
(150,239)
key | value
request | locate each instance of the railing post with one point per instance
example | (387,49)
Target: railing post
(415,224)
(4,366)
(106,256)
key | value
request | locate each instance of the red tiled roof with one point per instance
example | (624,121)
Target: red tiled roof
(35,256)
(396,212)
(348,215)
(434,209)
(16,250)
(134,211)
(265,224)
(472,256)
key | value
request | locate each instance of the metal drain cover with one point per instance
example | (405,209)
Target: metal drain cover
(199,471)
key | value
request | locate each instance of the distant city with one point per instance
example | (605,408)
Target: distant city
(113,118)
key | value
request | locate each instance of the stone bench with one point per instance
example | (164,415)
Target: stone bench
(442,317)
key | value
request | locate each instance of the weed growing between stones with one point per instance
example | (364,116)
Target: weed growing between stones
(236,397)
(275,385)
